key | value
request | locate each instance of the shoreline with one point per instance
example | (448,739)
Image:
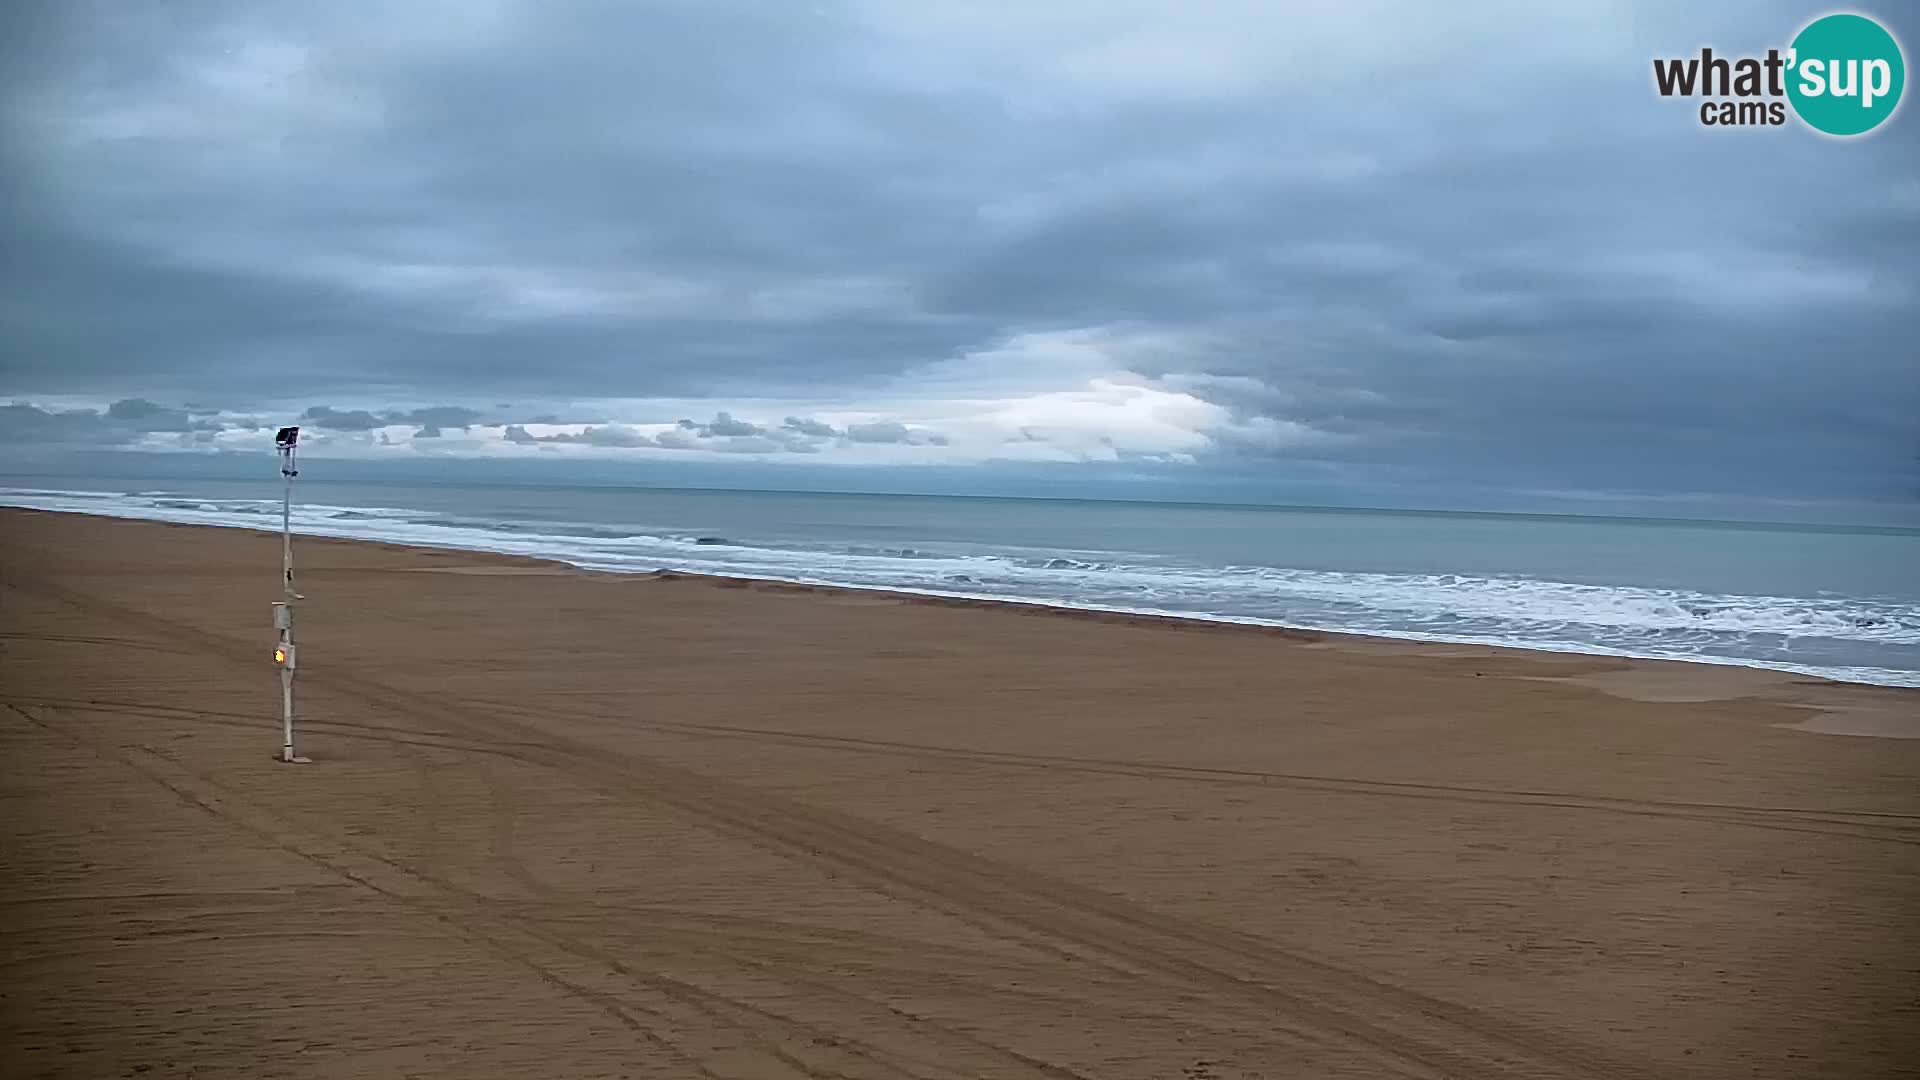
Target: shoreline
(1889,678)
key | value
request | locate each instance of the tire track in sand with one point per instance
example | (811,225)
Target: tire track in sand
(1878,826)
(717,1036)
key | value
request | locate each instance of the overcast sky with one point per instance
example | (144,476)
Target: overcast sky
(1408,246)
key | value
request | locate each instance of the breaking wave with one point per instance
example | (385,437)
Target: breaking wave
(1861,639)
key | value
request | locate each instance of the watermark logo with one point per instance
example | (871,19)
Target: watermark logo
(1842,75)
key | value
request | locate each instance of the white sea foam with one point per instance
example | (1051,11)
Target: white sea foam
(1817,635)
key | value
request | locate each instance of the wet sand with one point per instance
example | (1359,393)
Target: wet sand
(579,825)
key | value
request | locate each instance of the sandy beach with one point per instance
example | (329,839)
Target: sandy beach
(584,825)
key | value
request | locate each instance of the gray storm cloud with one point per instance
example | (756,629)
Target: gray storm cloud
(1345,246)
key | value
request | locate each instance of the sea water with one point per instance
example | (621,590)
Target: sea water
(1836,601)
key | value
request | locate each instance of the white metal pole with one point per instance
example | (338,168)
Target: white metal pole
(286,715)
(286,523)
(286,583)
(283,616)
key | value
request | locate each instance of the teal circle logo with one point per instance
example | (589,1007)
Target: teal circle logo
(1845,74)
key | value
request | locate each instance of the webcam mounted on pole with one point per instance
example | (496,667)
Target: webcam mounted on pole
(286,440)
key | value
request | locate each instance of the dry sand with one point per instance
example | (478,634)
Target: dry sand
(575,825)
